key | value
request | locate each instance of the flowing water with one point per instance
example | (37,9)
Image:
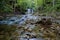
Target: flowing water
(21,21)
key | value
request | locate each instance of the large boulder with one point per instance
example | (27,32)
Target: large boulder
(44,21)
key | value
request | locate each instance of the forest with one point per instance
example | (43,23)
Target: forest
(22,5)
(29,19)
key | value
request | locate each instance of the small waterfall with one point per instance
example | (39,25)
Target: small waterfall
(22,19)
(30,11)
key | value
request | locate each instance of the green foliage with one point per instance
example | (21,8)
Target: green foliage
(30,3)
(48,6)
(5,6)
(45,6)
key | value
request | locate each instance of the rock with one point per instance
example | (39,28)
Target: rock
(44,22)
(58,28)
